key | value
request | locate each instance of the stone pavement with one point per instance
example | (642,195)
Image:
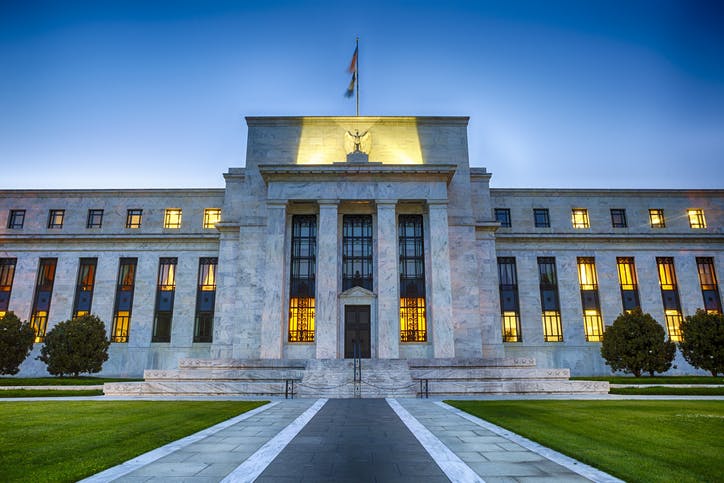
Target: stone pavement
(340,440)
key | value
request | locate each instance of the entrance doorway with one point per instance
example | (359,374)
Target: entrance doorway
(357,330)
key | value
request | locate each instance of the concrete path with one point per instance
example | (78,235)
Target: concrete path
(340,440)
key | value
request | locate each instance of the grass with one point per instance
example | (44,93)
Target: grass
(668,391)
(645,441)
(60,381)
(49,392)
(70,440)
(653,380)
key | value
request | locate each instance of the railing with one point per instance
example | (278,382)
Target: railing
(424,388)
(357,376)
(289,389)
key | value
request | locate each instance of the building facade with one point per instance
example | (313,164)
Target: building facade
(366,236)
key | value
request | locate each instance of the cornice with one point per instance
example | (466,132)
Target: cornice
(323,172)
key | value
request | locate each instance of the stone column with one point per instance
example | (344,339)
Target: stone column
(272,319)
(388,279)
(326,334)
(441,290)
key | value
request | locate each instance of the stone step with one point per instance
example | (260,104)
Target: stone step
(523,386)
(196,388)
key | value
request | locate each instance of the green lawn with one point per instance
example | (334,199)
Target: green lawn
(70,440)
(60,381)
(653,380)
(668,391)
(645,441)
(49,392)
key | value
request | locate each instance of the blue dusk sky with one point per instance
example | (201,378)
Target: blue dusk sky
(571,94)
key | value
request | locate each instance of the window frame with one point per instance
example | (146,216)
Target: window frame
(172,218)
(131,215)
(545,222)
(208,223)
(619,213)
(95,218)
(697,221)
(56,218)
(13,223)
(579,218)
(657,218)
(506,222)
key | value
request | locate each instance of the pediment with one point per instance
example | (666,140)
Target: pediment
(357,292)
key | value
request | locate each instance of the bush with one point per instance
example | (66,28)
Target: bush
(636,343)
(16,342)
(76,346)
(702,341)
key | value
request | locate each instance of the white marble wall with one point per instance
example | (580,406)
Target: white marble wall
(388,293)
(326,335)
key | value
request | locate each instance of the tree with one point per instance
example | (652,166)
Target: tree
(636,343)
(702,341)
(76,346)
(16,342)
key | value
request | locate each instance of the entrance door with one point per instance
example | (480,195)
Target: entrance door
(357,330)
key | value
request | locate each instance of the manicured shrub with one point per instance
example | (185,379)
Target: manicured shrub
(76,346)
(636,343)
(16,342)
(702,343)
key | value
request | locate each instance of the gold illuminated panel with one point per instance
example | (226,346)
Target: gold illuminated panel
(172,219)
(579,218)
(207,277)
(301,319)
(667,276)
(696,218)
(39,322)
(587,274)
(413,325)
(511,327)
(552,331)
(627,273)
(673,324)
(121,322)
(593,325)
(211,217)
(656,217)
(167,274)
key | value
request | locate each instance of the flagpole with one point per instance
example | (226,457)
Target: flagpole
(356,74)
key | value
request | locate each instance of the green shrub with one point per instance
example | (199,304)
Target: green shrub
(702,341)
(76,346)
(636,343)
(16,342)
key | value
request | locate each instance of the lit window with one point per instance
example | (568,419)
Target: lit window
(592,322)
(302,278)
(164,300)
(552,331)
(593,325)
(587,274)
(43,296)
(95,219)
(134,218)
(618,218)
(7,273)
(413,317)
(550,305)
(16,220)
(670,296)
(696,218)
(211,217)
(628,282)
(673,324)
(656,216)
(124,299)
(205,298)
(541,218)
(709,285)
(172,218)
(502,215)
(509,309)
(579,218)
(55,218)
(84,286)
(121,322)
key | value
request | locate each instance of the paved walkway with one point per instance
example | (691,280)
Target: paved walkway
(340,440)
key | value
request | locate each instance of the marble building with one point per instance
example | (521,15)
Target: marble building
(357,235)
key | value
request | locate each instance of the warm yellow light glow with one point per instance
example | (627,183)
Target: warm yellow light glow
(656,217)
(301,319)
(579,218)
(81,313)
(38,322)
(673,321)
(696,218)
(208,282)
(211,217)
(626,273)
(2,314)
(587,274)
(413,323)
(552,331)
(322,140)
(120,326)
(172,218)
(666,276)
(593,325)
(510,327)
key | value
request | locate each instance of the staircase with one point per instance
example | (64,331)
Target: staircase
(334,378)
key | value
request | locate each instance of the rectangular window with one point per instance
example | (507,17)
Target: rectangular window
(172,219)
(413,320)
(656,217)
(16,219)
(502,215)
(211,217)
(579,218)
(509,306)
(696,218)
(95,219)
(628,282)
(302,279)
(541,218)
(134,217)
(43,295)
(165,291)
(124,299)
(618,218)
(7,273)
(55,218)
(205,300)
(592,322)
(550,307)
(357,251)
(709,285)
(670,296)
(84,287)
